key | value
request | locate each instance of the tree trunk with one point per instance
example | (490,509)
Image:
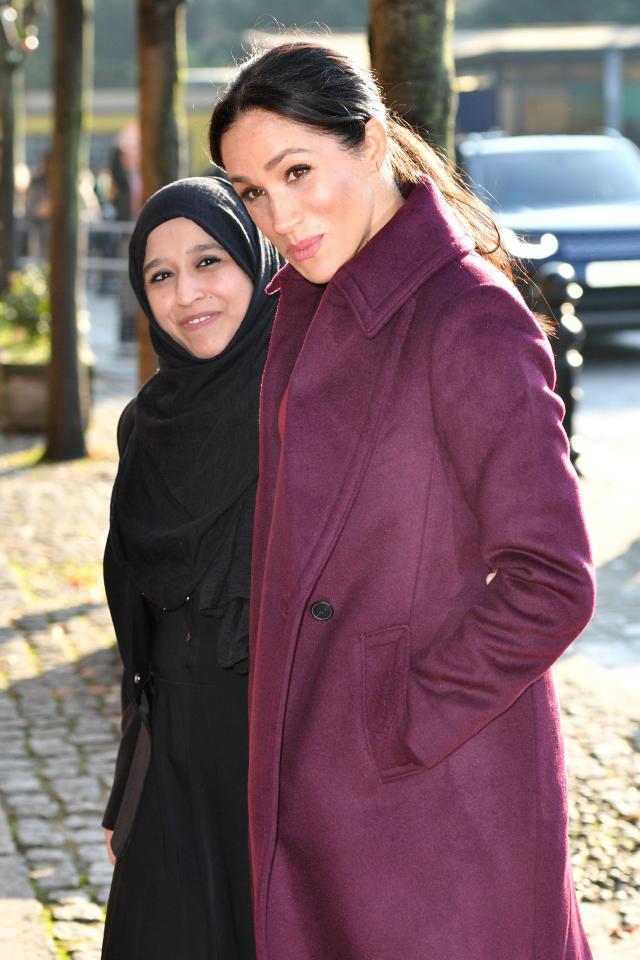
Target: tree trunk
(411,44)
(72,62)
(162,55)
(8,66)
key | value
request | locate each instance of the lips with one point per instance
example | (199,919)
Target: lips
(198,320)
(305,249)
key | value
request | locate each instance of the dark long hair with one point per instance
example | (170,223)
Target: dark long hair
(322,88)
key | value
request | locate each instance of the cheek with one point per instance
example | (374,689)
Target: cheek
(242,302)
(261,216)
(160,303)
(350,199)
(344,202)
(237,291)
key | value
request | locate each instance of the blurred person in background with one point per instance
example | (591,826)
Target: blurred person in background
(126,198)
(126,175)
(38,209)
(38,205)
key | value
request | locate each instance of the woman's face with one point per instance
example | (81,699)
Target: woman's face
(197,293)
(317,201)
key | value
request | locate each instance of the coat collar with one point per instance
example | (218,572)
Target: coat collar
(419,239)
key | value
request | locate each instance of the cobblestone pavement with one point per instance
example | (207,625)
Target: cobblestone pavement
(59,714)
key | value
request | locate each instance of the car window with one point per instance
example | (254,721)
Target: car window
(558,178)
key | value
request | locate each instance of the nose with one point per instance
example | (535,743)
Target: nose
(285,214)
(188,287)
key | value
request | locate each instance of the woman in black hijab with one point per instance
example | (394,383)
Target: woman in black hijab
(177,567)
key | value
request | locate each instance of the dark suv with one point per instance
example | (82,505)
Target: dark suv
(569,199)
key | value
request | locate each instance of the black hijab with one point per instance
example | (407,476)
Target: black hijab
(183,501)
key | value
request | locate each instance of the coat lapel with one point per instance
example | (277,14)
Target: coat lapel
(327,444)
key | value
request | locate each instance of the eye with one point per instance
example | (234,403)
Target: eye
(297,172)
(159,276)
(251,193)
(208,261)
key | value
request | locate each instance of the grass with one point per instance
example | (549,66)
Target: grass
(47,917)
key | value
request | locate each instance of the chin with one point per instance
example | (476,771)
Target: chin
(206,352)
(317,273)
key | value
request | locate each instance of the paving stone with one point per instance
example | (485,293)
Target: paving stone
(55,768)
(101,894)
(73,896)
(80,821)
(63,895)
(10,765)
(79,910)
(88,836)
(90,724)
(19,783)
(7,846)
(100,873)
(31,622)
(55,875)
(12,725)
(13,748)
(46,710)
(98,760)
(92,854)
(51,747)
(75,707)
(36,832)
(22,933)
(49,728)
(76,790)
(105,735)
(71,933)
(33,805)
(86,806)
(84,953)
(35,856)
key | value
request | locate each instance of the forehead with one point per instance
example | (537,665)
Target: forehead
(177,233)
(257,136)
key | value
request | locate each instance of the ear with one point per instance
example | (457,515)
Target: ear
(375,143)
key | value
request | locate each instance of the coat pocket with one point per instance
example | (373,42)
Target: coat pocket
(385,676)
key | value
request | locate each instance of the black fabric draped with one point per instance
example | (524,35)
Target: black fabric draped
(183,501)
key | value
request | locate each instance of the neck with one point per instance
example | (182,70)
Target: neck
(387,203)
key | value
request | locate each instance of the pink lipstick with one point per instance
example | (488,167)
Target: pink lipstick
(305,249)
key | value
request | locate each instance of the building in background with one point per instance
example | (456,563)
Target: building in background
(538,79)
(553,79)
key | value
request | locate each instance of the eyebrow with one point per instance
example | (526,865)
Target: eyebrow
(270,164)
(198,248)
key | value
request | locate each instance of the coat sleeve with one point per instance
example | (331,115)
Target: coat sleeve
(131,624)
(491,378)
(131,627)
(130,729)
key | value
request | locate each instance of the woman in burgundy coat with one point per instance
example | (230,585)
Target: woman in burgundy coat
(420,555)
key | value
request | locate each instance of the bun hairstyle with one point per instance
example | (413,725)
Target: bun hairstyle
(324,89)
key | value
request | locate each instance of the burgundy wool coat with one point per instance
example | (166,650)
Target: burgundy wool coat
(407,782)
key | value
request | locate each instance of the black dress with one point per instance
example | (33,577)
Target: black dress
(181,891)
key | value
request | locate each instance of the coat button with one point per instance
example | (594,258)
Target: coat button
(137,679)
(321,610)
